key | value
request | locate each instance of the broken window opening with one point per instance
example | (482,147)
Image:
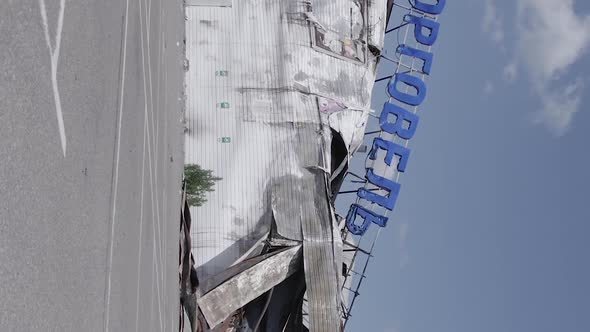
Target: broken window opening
(339,153)
(347,42)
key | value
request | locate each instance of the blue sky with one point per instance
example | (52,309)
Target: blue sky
(490,231)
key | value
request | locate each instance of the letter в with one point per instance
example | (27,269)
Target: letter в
(402,116)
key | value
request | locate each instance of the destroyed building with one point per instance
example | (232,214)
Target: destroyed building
(277,98)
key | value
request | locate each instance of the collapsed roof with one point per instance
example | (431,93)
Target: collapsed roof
(278,95)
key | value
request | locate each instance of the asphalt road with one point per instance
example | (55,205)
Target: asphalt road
(90,164)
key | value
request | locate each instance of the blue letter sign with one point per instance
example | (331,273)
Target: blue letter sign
(396,120)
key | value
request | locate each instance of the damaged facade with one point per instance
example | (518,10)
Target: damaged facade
(278,95)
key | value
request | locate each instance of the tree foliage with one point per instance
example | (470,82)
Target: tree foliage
(198,182)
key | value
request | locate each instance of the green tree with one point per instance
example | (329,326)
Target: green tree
(198,182)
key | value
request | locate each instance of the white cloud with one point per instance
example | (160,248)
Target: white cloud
(551,38)
(492,23)
(559,108)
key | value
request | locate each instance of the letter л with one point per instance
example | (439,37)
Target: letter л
(388,201)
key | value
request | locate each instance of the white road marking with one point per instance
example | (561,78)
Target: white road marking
(140,225)
(149,12)
(153,125)
(154,243)
(54,56)
(116,181)
(165,197)
(154,118)
(158,79)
